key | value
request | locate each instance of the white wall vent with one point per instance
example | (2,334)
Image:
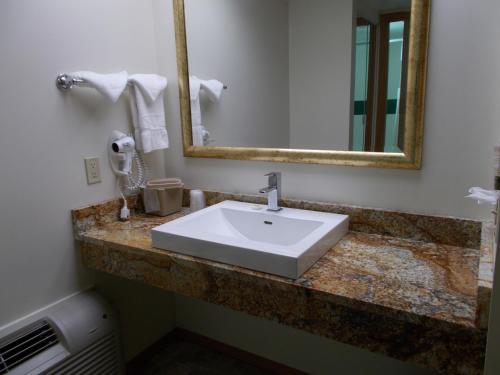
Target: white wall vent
(25,344)
(77,335)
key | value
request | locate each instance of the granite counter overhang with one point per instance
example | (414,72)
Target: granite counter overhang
(412,300)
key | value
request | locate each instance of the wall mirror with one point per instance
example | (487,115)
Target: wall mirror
(305,81)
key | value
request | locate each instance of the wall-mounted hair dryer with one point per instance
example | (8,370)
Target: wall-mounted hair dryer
(126,162)
(121,148)
(127,165)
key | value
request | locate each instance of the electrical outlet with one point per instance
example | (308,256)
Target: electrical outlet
(93,170)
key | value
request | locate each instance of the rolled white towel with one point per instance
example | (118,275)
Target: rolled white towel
(109,85)
(484,196)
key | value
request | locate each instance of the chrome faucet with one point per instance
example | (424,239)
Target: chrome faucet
(273,191)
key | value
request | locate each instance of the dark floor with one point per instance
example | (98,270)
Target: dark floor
(177,356)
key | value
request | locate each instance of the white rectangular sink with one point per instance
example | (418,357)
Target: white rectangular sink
(284,243)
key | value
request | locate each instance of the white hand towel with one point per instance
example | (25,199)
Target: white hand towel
(196,125)
(483,195)
(194,94)
(194,87)
(148,111)
(109,85)
(151,85)
(213,88)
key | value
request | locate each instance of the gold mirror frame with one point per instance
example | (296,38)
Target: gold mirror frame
(414,120)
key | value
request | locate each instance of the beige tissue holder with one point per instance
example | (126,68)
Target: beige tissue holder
(163,197)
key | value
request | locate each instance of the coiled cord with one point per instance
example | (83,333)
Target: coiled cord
(136,178)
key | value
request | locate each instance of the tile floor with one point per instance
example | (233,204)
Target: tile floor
(177,356)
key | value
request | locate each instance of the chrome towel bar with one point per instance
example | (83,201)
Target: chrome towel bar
(66,82)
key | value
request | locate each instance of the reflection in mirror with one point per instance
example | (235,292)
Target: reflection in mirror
(364,76)
(300,74)
(380,71)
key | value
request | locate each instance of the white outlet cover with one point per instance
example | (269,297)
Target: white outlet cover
(93,170)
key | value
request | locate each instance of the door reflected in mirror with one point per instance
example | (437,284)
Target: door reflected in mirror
(300,74)
(380,71)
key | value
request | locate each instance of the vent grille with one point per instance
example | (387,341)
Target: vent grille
(26,344)
(102,357)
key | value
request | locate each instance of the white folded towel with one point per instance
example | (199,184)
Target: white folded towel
(151,85)
(194,94)
(109,85)
(196,125)
(213,88)
(483,195)
(148,111)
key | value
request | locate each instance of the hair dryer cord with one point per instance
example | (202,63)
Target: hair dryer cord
(136,178)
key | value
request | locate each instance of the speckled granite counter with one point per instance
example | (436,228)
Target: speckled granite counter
(410,299)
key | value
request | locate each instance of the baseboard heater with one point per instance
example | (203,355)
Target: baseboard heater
(77,335)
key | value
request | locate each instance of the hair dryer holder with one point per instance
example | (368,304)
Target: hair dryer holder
(121,148)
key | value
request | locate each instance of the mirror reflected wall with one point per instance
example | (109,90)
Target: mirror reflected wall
(301,75)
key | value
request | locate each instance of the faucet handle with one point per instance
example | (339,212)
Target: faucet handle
(275,180)
(273,174)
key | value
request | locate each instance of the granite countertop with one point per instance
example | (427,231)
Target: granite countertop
(435,282)
(399,283)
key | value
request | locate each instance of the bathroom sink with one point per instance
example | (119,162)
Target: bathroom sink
(284,243)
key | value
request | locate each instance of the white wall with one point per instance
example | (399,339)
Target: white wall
(244,44)
(321,38)
(45,134)
(461,127)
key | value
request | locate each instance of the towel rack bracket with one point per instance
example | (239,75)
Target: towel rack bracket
(64,82)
